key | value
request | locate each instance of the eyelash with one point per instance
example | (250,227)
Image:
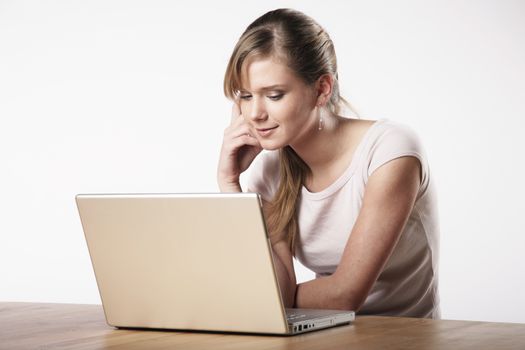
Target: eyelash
(273,98)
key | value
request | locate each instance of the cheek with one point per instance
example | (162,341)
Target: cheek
(298,114)
(287,111)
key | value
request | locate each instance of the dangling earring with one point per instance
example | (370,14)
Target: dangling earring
(321,121)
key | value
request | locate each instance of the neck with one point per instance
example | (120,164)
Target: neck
(321,148)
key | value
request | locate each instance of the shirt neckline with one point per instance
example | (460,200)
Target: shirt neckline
(349,171)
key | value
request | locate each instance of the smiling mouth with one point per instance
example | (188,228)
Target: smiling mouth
(266,129)
(266,132)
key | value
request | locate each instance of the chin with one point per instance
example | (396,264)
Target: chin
(271,145)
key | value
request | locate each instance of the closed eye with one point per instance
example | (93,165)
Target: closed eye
(273,98)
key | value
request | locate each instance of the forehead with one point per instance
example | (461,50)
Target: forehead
(260,73)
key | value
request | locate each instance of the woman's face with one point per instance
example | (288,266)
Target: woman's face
(277,105)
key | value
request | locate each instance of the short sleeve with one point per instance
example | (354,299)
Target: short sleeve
(263,175)
(397,140)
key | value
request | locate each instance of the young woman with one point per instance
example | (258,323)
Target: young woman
(351,199)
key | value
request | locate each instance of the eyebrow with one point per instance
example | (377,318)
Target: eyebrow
(266,88)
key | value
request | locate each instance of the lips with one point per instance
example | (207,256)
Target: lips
(266,129)
(263,132)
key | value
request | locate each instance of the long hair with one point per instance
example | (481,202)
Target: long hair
(309,52)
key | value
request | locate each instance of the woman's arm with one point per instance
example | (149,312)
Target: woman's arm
(238,151)
(389,197)
(283,263)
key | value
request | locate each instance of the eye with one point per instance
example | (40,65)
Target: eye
(273,98)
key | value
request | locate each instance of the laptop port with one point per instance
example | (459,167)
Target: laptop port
(300,327)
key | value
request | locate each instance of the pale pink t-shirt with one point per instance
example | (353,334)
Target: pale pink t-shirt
(408,284)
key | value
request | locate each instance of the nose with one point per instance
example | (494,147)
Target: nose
(257,109)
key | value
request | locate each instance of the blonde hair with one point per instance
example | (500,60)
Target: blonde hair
(308,51)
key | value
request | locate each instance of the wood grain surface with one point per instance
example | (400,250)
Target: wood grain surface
(73,326)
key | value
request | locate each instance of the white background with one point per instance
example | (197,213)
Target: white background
(126,96)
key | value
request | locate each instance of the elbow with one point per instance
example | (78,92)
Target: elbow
(348,303)
(353,305)
(348,298)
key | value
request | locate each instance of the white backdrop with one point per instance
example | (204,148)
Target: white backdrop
(126,96)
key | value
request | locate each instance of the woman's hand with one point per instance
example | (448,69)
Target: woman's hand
(239,149)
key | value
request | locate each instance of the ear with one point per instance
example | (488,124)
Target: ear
(325,85)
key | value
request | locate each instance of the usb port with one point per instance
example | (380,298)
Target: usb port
(300,327)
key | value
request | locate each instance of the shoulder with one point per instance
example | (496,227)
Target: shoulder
(266,164)
(390,140)
(263,174)
(396,134)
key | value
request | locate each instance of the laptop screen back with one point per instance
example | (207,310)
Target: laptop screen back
(183,261)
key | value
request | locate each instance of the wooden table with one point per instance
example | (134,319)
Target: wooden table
(72,326)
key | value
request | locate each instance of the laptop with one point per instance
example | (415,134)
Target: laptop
(200,262)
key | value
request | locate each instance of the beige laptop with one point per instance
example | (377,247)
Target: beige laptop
(198,262)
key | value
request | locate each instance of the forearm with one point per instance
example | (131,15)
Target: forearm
(227,187)
(286,283)
(325,293)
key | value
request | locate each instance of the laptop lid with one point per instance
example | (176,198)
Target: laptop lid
(183,261)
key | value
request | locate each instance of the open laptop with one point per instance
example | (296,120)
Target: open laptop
(198,262)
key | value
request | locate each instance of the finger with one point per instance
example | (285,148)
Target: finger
(244,140)
(236,124)
(243,133)
(242,129)
(236,109)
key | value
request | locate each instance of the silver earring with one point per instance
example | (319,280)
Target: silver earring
(321,121)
